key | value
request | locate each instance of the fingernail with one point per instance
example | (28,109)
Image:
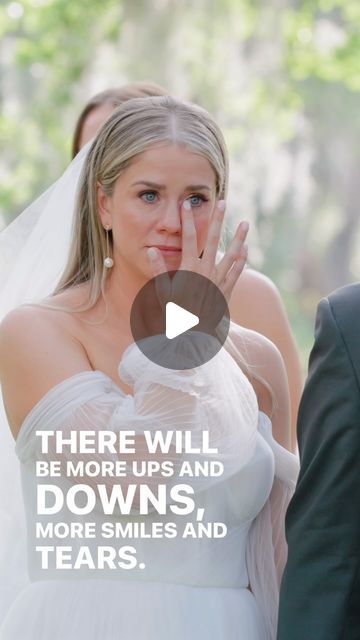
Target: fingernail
(152,253)
(221,205)
(244,226)
(187,205)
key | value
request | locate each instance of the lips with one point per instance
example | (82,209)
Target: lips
(168,251)
(167,248)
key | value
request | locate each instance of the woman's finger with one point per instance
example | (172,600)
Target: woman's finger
(189,239)
(156,261)
(233,253)
(158,267)
(213,237)
(235,272)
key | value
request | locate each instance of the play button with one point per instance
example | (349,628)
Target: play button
(180,319)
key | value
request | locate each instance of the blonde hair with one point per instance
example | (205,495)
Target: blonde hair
(134,127)
(114,97)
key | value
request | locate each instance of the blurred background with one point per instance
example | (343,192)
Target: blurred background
(282,78)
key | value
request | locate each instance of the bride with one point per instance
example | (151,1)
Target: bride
(150,200)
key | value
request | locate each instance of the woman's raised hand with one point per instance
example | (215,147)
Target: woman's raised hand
(224,274)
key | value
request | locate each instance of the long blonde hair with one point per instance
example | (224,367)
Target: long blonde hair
(113,97)
(134,127)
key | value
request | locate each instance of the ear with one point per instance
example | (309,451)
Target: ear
(103,205)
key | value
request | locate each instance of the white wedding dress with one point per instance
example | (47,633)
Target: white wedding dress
(204,588)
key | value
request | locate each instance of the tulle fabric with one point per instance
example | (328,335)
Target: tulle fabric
(267,554)
(35,246)
(133,611)
(33,253)
(216,397)
(164,401)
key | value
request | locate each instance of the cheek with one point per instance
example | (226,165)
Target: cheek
(131,225)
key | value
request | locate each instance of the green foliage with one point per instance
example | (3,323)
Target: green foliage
(284,83)
(49,46)
(323,41)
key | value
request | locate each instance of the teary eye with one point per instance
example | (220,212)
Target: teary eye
(149,196)
(196,200)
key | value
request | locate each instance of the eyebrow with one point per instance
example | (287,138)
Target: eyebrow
(154,185)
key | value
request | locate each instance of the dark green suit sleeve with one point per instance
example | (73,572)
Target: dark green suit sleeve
(320,592)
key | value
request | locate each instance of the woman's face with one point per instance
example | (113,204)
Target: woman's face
(145,207)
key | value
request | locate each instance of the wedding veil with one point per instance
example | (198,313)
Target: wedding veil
(33,255)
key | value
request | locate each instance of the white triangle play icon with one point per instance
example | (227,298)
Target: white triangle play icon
(178,320)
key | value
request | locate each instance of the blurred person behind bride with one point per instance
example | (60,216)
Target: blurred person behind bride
(69,362)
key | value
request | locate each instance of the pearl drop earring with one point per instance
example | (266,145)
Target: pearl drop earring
(108,261)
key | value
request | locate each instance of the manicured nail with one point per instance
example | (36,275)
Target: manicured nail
(221,205)
(187,205)
(152,253)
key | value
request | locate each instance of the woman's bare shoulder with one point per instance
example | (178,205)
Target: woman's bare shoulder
(33,318)
(29,321)
(256,301)
(33,330)
(25,322)
(251,277)
(256,348)
(268,377)
(38,349)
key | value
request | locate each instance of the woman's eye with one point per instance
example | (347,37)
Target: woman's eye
(148,196)
(195,201)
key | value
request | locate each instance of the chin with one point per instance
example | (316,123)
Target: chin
(173,261)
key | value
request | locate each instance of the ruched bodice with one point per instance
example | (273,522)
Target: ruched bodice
(208,573)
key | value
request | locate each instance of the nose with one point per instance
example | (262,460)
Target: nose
(170,219)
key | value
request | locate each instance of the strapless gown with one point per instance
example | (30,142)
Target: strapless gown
(202,586)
